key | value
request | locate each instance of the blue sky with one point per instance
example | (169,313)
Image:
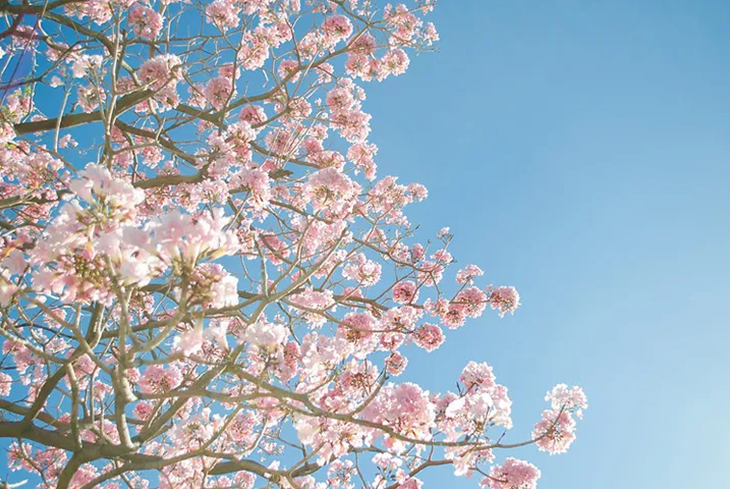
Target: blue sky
(580,151)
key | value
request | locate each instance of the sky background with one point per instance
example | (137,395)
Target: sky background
(580,150)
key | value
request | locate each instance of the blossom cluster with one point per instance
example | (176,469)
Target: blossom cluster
(204,282)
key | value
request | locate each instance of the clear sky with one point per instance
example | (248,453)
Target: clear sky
(580,150)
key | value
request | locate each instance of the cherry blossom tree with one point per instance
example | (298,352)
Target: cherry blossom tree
(203,283)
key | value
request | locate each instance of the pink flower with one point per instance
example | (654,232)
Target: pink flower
(396,363)
(223,13)
(229,70)
(265,334)
(214,286)
(504,299)
(96,184)
(218,91)
(341,473)
(289,67)
(217,332)
(84,63)
(310,302)
(360,269)
(160,70)
(555,432)
(395,63)
(477,376)
(362,154)
(179,236)
(430,35)
(467,274)
(405,292)
(6,383)
(512,474)
(357,329)
(429,337)
(353,125)
(67,141)
(411,483)
(143,410)
(257,183)
(570,399)
(157,379)
(471,301)
(253,114)
(145,22)
(406,408)
(329,189)
(337,28)
(189,343)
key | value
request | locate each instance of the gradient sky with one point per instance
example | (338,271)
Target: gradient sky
(580,151)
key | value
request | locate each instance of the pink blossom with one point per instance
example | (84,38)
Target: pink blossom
(85,64)
(429,337)
(67,141)
(214,286)
(357,328)
(329,189)
(223,13)
(395,62)
(362,154)
(555,432)
(229,70)
(405,292)
(288,68)
(145,22)
(265,334)
(253,114)
(353,125)
(143,410)
(341,473)
(512,474)
(257,183)
(313,303)
(396,363)
(430,34)
(504,299)
(411,483)
(471,301)
(467,274)
(6,383)
(217,332)
(97,184)
(218,91)
(477,376)
(337,27)
(160,70)
(365,272)
(158,379)
(179,236)
(571,399)
(189,343)
(406,408)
